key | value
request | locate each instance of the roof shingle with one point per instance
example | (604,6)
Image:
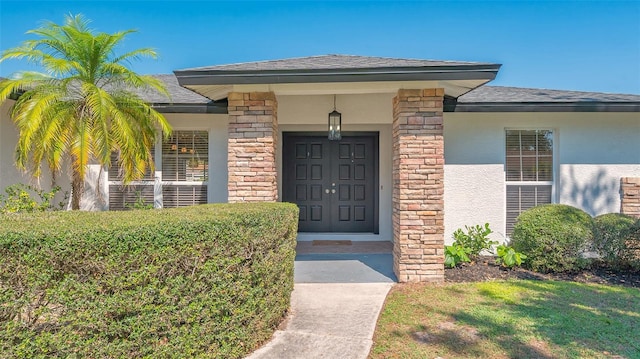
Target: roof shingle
(503,94)
(178,93)
(330,62)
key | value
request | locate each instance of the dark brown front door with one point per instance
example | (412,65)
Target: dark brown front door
(332,182)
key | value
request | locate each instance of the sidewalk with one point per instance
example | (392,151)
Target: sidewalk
(328,320)
(337,297)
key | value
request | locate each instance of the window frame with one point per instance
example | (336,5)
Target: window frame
(158,181)
(159,164)
(554,168)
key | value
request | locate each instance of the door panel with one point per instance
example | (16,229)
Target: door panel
(332,182)
(305,175)
(354,161)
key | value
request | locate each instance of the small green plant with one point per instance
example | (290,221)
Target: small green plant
(476,239)
(508,257)
(455,254)
(468,245)
(139,203)
(19,198)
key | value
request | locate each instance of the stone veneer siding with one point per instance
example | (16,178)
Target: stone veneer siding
(418,185)
(253,133)
(630,189)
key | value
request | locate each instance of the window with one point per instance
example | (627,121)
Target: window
(123,197)
(529,171)
(185,168)
(185,173)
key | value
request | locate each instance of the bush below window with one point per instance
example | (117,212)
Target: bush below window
(616,239)
(554,237)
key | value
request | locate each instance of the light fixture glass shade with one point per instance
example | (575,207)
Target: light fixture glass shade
(335,122)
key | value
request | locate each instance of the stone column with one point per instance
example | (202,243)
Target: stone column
(253,133)
(630,201)
(418,185)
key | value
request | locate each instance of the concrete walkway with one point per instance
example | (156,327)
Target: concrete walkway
(335,304)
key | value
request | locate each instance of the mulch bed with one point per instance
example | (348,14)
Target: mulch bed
(485,269)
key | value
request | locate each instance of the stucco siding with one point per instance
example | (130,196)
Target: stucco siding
(591,152)
(8,140)
(355,109)
(594,188)
(474,194)
(9,174)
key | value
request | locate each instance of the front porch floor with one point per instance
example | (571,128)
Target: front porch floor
(343,261)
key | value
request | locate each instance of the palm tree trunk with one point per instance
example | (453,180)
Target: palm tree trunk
(77,188)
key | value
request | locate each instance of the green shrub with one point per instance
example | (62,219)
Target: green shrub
(476,239)
(24,198)
(554,237)
(508,257)
(203,281)
(468,246)
(455,254)
(615,239)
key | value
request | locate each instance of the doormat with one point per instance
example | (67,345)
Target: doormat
(331,243)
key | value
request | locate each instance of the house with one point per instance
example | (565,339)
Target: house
(425,147)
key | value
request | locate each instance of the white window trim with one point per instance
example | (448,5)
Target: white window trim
(554,176)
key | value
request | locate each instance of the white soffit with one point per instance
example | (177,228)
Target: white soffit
(214,92)
(452,88)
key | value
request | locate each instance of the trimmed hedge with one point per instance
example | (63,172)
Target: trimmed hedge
(204,281)
(616,238)
(554,237)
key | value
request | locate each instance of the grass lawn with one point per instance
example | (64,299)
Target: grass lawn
(509,319)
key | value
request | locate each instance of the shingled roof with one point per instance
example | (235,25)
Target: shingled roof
(178,93)
(182,99)
(521,94)
(336,68)
(333,62)
(482,99)
(502,98)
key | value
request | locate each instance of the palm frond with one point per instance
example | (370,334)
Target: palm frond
(82,105)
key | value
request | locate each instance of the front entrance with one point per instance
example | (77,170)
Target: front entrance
(334,183)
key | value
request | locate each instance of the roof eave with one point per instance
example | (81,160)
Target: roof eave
(439,73)
(213,108)
(546,107)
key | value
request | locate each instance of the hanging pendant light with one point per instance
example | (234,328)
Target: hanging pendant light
(335,122)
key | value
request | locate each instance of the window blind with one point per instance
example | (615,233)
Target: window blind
(528,171)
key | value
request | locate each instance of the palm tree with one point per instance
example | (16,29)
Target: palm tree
(83,107)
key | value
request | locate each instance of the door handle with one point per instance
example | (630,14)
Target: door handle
(333,190)
(326,191)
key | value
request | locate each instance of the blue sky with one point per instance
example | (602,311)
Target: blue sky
(570,45)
